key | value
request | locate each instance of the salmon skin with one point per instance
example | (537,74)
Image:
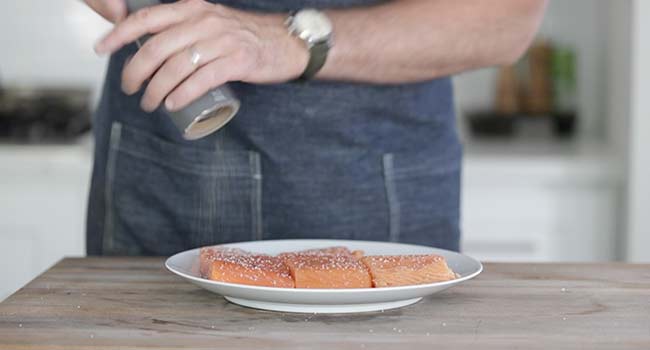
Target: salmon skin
(406,270)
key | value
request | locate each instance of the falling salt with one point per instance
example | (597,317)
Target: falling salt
(212,327)
(78,306)
(20,325)
(563,290)
(563,318)
(370,331)
(394,329)
(92,336)
(428,334)
(251,328)
(399,331)
(444,324)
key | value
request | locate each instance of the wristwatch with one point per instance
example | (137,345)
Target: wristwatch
(315,29)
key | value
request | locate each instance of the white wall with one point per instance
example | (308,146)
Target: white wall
(50,43)
(43,189)
(639,137)
(619,99)
(578,23)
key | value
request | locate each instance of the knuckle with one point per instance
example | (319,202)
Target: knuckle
(197,3)
(176,67)
(130,79)
(195,87)
(219,8)
(242,55)
(228,40)
(209,21)
(151,95)
(151,49)
(209,79)
(143,14)
(127,73)
(247,55)
(193,5)
(215,77)
(186,92)
(127,83)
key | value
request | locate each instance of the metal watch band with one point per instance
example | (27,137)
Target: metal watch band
(317,57)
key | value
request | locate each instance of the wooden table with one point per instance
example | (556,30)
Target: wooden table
(133,303)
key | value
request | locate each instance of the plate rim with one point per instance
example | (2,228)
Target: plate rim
(321,290)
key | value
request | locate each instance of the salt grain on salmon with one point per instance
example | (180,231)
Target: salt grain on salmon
(404,270)
(245,268)
(329,251)
(327,271)
(208,254)
(333,267)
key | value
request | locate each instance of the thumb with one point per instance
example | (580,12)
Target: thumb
(115,10)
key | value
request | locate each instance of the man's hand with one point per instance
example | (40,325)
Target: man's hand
(232,45)
(396,41)
(112,10)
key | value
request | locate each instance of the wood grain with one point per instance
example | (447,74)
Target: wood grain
(133,303)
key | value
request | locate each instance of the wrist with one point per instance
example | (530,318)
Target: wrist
(315,30)
(285,53)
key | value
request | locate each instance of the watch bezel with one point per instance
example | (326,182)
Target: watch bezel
(304,33)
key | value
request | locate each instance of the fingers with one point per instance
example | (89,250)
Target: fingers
(177,68)
(111,10)
(156,51)
(147,20)
(214,74)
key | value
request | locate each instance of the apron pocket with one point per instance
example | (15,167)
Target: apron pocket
(424,198)
(163,197)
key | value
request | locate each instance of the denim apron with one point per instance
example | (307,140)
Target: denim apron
(300,160)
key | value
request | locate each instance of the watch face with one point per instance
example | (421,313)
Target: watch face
(312,25)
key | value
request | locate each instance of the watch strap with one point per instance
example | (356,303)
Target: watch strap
(317,57)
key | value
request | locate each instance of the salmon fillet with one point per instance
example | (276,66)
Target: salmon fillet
(208,254)
(329,251)
(404,270)
(326,271)
(332,267)
(255,270)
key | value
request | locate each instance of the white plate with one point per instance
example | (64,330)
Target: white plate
(325,300)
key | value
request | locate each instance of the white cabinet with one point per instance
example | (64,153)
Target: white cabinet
(540,202)
(43,191)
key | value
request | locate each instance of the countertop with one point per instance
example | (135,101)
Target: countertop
(133,303)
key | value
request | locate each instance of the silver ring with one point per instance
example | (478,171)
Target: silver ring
(196,56)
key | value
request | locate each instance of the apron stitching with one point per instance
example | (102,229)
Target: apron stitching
(115,137)
(392,199)
(256,196)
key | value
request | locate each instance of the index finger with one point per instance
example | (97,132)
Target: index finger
(145,21)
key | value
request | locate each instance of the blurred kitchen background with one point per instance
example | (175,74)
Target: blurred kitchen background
(554,166)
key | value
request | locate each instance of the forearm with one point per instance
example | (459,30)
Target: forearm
(414,40)
(394,42)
